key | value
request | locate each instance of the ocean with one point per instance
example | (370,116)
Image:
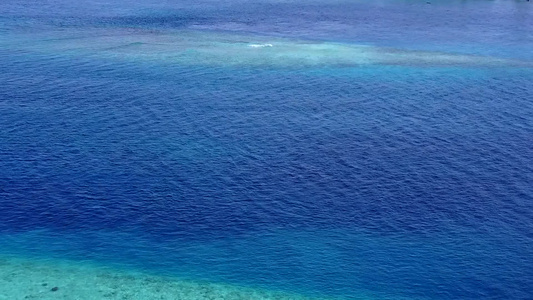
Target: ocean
(269,149)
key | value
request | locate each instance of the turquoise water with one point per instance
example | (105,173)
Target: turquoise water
(346,149)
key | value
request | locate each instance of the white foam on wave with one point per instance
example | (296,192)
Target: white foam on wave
(260,45)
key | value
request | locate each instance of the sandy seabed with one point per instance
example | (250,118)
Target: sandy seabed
(35,279)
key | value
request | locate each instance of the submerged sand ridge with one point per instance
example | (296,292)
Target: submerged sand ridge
(196,47)
(28,279)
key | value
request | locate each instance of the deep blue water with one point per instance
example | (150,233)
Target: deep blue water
(393,180)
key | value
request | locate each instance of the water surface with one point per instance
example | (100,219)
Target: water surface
(341,149)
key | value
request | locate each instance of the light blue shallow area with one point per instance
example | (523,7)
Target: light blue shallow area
(341,149)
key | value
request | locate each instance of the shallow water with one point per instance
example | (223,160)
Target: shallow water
(339,150)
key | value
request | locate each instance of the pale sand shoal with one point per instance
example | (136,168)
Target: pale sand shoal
(35,279)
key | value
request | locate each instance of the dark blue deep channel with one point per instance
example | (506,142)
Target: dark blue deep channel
(385,180)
